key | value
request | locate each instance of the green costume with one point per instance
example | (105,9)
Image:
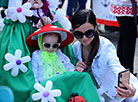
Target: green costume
(12,38)
(72,82)
(3,3)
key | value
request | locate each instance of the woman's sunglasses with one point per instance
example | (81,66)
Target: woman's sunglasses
(47,45)
(89,33)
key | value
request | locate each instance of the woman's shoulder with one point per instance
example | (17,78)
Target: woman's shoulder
(106,44)
(105,41)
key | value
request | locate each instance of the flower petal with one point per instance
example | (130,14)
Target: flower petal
(39,87)
(25,59)
(14,17)
(51,99)
(18,3)
(55,93)
(36,96)
(27,12)
(15,71)
(9,57)
(48,85)
(21,17)
(23,68)
(18,54)
(9,66)
(44,100)
(11,9)
(27,6)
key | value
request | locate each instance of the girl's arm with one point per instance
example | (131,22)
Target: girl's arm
(34,63)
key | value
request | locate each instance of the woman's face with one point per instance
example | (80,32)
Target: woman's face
(85,28)
(50,42)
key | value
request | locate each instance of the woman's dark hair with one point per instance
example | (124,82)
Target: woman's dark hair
(80,18)
(46,9)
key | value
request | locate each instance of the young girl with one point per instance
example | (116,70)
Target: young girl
(49,60)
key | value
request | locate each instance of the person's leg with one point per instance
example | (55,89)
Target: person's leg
(91,3)
(62,2)
(127,41)
(81,5)
(70,6)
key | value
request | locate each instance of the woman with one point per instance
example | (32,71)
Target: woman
(97,56)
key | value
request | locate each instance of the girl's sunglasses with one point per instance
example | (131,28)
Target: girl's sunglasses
(47,45)
(89,33)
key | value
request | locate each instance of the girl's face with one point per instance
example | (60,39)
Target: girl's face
(36,3)
(50,42)
(85,28)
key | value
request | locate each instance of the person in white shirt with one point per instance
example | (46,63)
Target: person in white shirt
(97,56)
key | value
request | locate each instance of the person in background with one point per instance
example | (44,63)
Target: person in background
(124,11)
(97,56)
(62,3)
(74,6)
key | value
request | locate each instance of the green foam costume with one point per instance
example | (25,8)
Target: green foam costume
(12,38)
(3,3)
(72,82)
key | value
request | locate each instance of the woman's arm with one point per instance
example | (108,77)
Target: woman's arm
(116,67)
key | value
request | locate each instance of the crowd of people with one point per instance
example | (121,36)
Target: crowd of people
(36,47)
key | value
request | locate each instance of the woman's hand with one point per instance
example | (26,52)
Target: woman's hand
(125,93)
(80,66)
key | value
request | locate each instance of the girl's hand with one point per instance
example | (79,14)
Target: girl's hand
(45,20)
(125,93)
(80,66)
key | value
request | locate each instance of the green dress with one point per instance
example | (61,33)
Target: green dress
(3,3)
(12,38)
(72,82)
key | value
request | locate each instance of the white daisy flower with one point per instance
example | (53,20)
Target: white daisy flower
(63,20)
(19,11)
(45,94)
(16,62)
(53,4)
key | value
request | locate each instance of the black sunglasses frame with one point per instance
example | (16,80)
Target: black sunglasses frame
(89,33)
